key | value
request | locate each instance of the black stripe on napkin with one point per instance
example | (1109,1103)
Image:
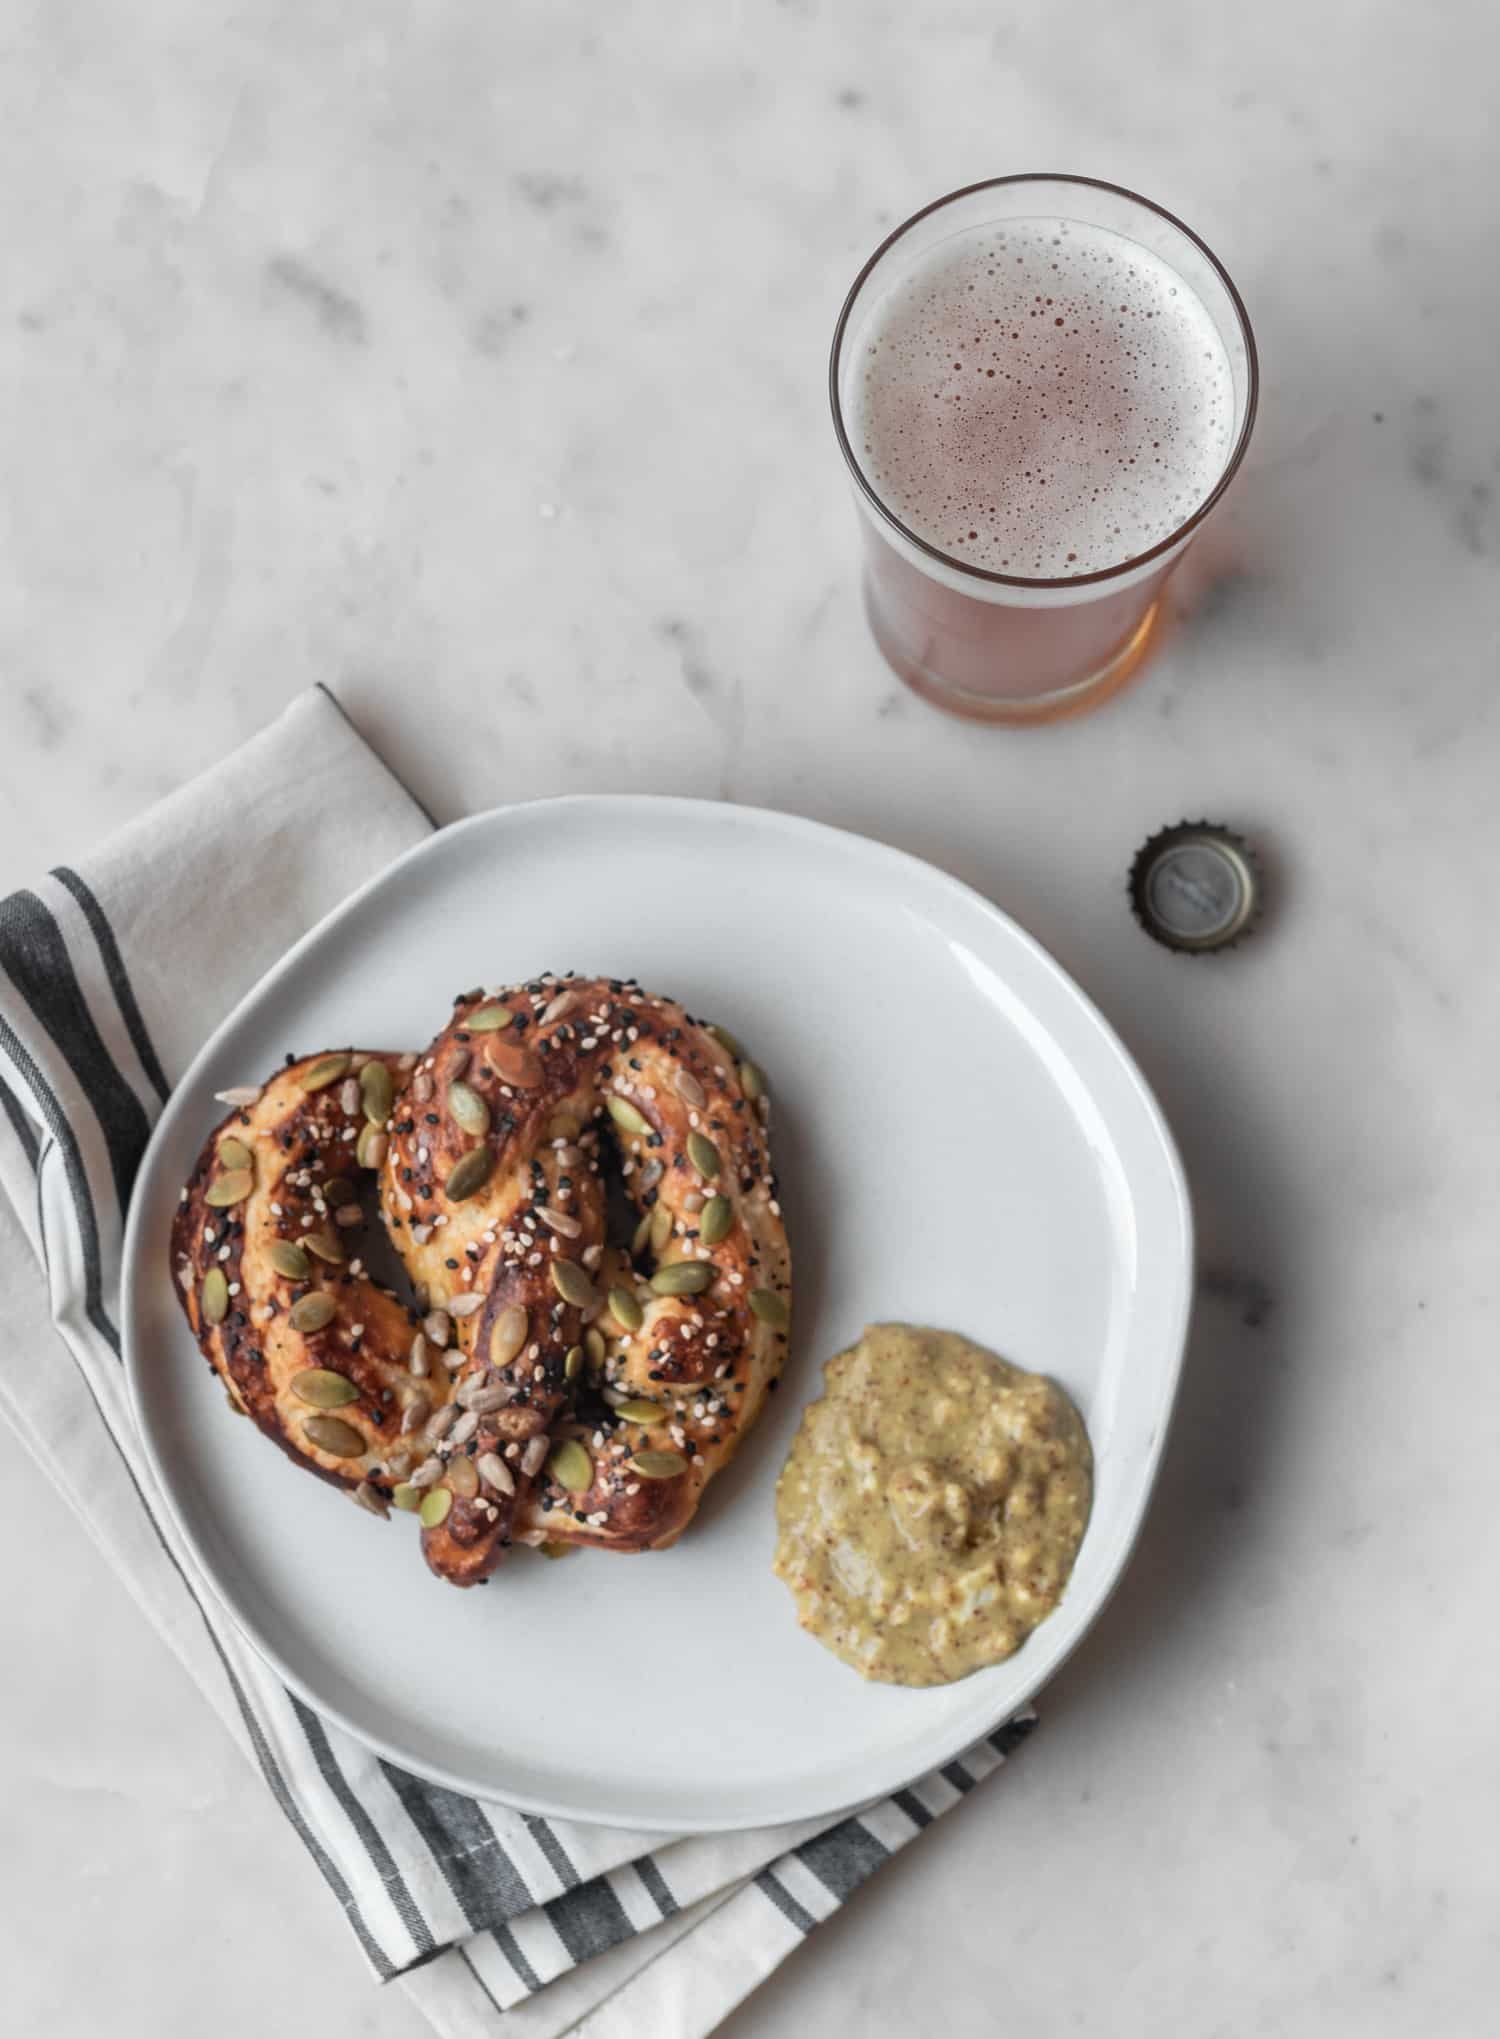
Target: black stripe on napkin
(20,1125)
(656,1886)
(371,1836)
(843,1856)
(772,1887)
(506,1941)
(590,1918)
(463,1844)
(913,1807)
(36,958)
(119,981)
(1014,1732)
(958,1776)
(556,1854)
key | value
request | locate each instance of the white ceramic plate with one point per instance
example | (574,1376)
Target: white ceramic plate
(962,1141)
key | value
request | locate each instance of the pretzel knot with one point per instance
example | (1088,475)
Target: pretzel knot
(547,1386)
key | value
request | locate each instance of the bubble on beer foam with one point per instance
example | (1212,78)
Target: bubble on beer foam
(1043,398)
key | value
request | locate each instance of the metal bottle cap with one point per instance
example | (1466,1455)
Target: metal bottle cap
(1195,887)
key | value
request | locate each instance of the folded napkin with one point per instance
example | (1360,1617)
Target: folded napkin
(111,976)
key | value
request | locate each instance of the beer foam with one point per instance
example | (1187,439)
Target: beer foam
(1043,398)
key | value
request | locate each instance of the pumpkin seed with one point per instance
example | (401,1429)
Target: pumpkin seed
(641,1233)
(573,1285)
(435,1505)
(689,1089)
(232,1187)
(661,1226)
(333,1435)
(469,1110)
(348,1214)
(339,1190)
(407,1497)
(325,1245)
(703,1154)
(288,1258)
(638,1410)
(627,1116)
(564,1125)
(571,1467)
(683,1278)
(495,1473)
(657,1465)
(770,1308)
(727,1040)
(515,1063)
(324,1388)
(418,1360)
(370,1147)
(327,1069)
(463,1478)
(753,1081)
(235,1408)
(311,1313)
(717,1217)
(468,1176)
(213,1300)
(593,1345)
(489,1019)
(377,1092)
(234,1153)
(573,1364)
(554,1549)
(371,1500)
(625,1310)
(508,1335)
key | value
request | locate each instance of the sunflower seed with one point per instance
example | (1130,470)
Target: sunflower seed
(561,1006)
(683,1278)
(234,1153)
(334,1436)
(625,1310)
(370,1499)
(718,1216)
(770,1308)
(370,1148)
(415,1414)
(508,1335)
(534,1455)
(213,1301)
(349,1096)
(636,1409)
(438,1326)
(468,1176)
(464,1428)
(657,1465)
(489,1019)
(485,1401)
(418,1359)
(421,1087)
(593,1342)
(573,1364)
(347,1215)
(703,1154)
(468,1110)
(429,1470)
(753,1081)
(573,1285)
(442,1422)
(689,1089)
(514,1063)
(661,1226)
(641,1233)
(727,1040)
(565,1125)
(466,1305)
(495,1473)
(463,1478)
(232,1187)
(559,1221)
(240,1095)
(327,1069)
(693,1201)
(376,1092)
(324,1388)
(325,1245)
(339,1190)
(407,1497)
(435,1506)
(571,1467)
(288,1258)
(312,1313)
(626,1115)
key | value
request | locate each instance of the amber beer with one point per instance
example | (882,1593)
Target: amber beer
(1042,385)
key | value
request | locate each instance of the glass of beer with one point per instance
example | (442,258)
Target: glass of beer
(1042,385)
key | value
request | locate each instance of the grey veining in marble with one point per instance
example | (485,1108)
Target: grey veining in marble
(472,360)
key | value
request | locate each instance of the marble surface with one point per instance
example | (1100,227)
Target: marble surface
(471,360)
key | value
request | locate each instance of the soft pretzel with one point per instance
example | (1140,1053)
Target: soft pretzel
(549,1387)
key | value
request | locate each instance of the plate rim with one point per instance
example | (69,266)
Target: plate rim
(135,1272)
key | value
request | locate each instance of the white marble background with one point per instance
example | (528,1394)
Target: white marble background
(471,358)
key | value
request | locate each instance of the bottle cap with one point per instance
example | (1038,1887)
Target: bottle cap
(1196,887)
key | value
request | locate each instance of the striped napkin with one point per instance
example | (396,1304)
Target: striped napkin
(494,1921)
